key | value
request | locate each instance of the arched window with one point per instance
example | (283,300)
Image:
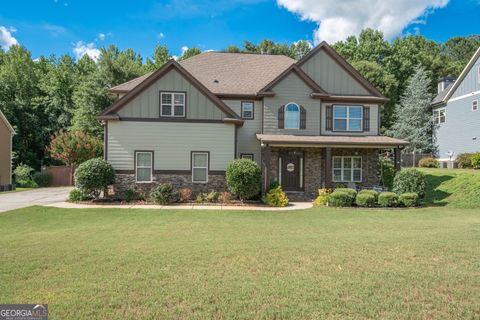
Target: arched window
(292,116)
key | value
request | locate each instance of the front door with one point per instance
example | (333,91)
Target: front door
(291,170)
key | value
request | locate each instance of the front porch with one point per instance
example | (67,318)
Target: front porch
(302,166)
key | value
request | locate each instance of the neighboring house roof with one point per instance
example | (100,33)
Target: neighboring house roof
(109,113)
(330,140)
(439,98)
(450,90)
(4,119)
(228,74)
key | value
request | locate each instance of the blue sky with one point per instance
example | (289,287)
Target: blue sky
(59,26)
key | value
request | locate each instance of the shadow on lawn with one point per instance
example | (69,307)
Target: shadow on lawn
(434,196)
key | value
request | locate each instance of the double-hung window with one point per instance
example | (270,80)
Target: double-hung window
(347,169)
(439,116)
(347,118)
(143,166)
(172,104)
(199,167)
(247,110)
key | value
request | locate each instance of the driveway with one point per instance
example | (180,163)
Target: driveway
(22,199)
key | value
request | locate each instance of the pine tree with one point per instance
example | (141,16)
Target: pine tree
(413,116)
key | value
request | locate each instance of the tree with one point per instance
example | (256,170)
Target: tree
(232,49)
(160,57)
(74,147)
(413,117)
(190,52)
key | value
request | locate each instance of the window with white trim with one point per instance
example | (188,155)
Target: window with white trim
(292,116)
(474,105)
(439,116)
(246,156)
(347,169)
(172,104)
(200,167)
(347,118)
(247,110)
(143,166)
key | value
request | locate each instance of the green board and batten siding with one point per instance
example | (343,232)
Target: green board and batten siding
(171,143)
(147,104)
(246,135)
(291,89)
(329,75)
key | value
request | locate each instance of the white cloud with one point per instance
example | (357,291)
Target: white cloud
(339,19)
(6,38)
(161,35)
(101,36)
(184,48)
(80,49)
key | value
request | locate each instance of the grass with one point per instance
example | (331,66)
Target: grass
(310,264)
(16,190)
(454,187)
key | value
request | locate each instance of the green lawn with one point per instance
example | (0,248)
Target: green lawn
(455,188)
(311,264)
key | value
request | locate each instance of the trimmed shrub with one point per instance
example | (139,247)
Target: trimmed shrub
(164,194)
(275,197)
(23,176)
(76,195)
(410,180)
(185,194)
(410,199)
(386,172)
(387,199)
(365,200)
(225,197)
(350,191)
(321,200)
(369,191)
(93,176)
(244,178)
(476,160)
(129,195)
(42,179)
(429,162)
(341,198)
(464,160)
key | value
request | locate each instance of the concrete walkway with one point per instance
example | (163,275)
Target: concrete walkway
(41,196)
(291,206)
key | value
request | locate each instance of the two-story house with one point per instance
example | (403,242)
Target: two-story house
(308,123)
(456,114)
(6,135)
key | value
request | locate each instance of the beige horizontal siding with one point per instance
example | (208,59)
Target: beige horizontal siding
(291,89)
(246,134)
(331,76)
(374,130)
(147,103)
(171,143)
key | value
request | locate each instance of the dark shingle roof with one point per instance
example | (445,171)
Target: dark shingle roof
(441,95)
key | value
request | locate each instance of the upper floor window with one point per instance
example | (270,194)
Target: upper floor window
(474,105)
(172,104)
(292,116)
(439,116)
(247,109)
(347,118)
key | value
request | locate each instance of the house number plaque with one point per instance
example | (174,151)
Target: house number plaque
(290,167)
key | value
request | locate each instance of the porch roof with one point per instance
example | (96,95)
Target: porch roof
(318,141)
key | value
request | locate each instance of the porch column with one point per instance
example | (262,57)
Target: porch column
(397,159)
(266,183)
(328,167)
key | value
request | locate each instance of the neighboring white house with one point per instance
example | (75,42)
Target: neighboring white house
(456,112)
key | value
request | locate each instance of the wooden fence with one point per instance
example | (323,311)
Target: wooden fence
(411,160)
(61,175)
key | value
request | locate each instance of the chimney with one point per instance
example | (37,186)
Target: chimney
(444,82)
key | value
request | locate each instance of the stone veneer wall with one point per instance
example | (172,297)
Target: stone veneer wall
(314,167)
(125,181)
